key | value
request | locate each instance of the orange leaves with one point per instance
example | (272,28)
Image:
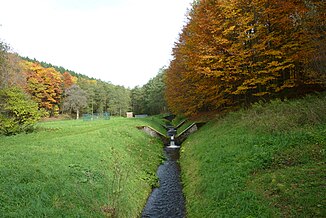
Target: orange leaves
(236,51)
(44,84)
(68,80)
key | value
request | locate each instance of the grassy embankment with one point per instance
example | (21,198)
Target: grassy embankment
(268,161)
(79,169)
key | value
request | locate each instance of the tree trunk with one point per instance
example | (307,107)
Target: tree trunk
(77,114)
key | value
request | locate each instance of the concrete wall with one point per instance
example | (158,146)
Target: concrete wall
(184,135)
(154,133)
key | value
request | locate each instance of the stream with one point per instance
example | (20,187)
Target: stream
(167,200)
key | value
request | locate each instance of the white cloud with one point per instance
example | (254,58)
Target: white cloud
(125,43)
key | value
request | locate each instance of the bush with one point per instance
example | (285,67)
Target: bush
(18,113)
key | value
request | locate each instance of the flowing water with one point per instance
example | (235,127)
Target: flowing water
(167,200)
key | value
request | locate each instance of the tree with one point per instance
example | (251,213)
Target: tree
(75,100)
(45,85)
(195,77)
(10,69)
(149,99)
(68,80)
(101,97)
(18,113)
(89,86)
(138,100)
(235,52)
(3,64)
(154,90)
(119,100)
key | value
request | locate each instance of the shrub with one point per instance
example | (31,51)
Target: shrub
(18,113)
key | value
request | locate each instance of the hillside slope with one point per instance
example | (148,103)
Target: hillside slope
(78,168)
(268,161)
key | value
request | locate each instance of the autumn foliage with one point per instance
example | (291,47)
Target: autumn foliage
(45,86)
(235,52)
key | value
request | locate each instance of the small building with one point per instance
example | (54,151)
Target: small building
(130,114)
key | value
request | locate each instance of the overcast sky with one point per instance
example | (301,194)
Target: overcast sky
(125,42)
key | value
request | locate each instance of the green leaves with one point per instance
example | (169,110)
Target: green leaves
(18,113)
(149,99)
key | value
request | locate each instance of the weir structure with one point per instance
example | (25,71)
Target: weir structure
(172,138)
(167,200)
(171,133)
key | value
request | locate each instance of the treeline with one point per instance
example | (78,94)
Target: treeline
(106,97)
(57,68)
(30,89)
(49,87)
(235,52)
(100,96)
(149,99)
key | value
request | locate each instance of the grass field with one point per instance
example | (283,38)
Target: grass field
(268,161)
(78,169)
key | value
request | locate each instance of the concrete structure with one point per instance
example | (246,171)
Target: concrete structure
(130,114)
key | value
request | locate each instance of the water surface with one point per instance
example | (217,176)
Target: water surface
(167,200)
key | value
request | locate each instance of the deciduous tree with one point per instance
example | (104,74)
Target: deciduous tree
(235,52)
(75,100)
(18,112)
(10,69)
(45,86)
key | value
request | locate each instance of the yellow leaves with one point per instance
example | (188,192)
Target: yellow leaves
(261,94)
(228,30)
(275,53)
(240,90)
(74,79)
(93,82)
(44,84)
(273,64)
(207,59)
(287,85)
(221,41)
(239,51)
(264,80)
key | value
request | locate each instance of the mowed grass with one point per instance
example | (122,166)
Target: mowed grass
(78,169)
(268,161)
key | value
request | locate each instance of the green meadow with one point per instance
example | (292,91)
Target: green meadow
(79,169)
(267,161)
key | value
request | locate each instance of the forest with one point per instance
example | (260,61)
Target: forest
(229,55)
(262,60)
(32,89)
(232,53)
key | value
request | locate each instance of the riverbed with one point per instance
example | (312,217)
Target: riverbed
(168,199)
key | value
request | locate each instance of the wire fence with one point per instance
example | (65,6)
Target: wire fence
(96,116)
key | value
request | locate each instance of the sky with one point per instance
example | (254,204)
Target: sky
(124,42)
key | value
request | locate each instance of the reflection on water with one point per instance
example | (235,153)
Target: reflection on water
(167,200)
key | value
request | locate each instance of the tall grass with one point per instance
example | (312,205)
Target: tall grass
(78,169)
(268,161)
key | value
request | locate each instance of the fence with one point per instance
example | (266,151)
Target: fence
(96,116)
(141,115)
